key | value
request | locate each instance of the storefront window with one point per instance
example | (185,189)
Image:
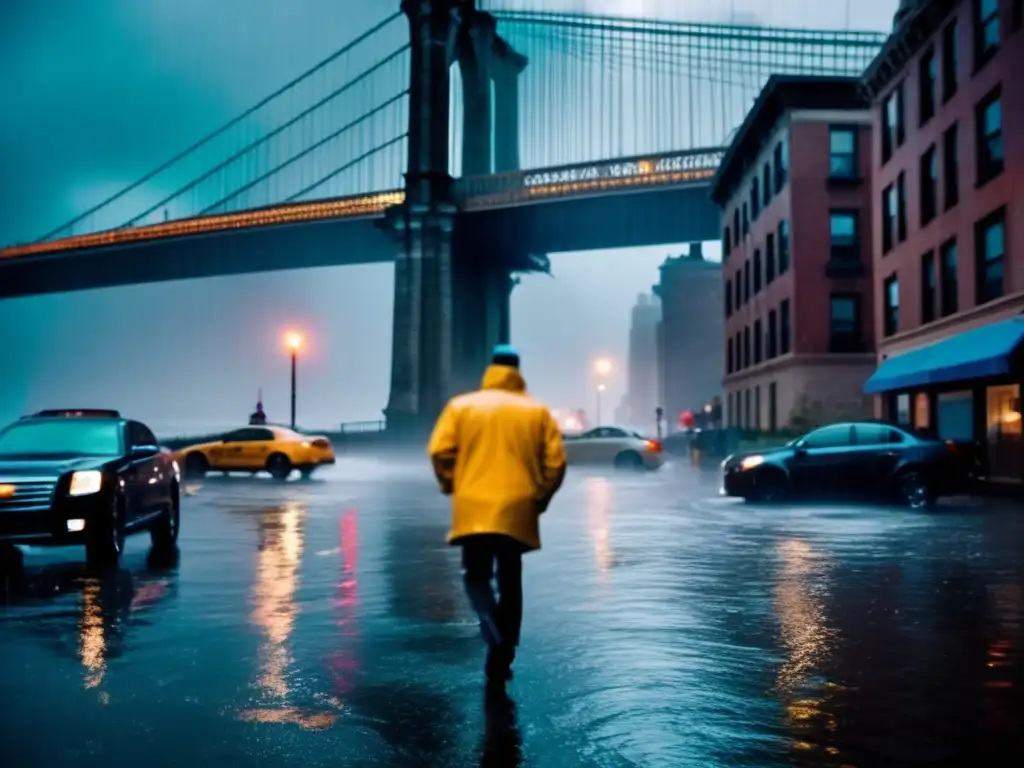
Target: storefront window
(903,409)
(955,415)
(922,413)
(1003,407)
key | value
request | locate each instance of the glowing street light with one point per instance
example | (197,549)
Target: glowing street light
(603,367)
(293,341)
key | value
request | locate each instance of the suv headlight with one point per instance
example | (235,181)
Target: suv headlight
(86,482)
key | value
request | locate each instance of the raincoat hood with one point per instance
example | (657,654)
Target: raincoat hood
(503,377)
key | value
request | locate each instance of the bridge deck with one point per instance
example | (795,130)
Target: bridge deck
(481,193)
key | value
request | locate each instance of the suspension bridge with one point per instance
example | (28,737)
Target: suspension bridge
(461,145)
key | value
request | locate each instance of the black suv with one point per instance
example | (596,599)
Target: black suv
(86,477)
(854,459)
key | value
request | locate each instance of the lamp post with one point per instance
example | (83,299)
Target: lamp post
(293,341)
(602,369)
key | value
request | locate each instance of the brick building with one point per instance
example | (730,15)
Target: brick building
(796,234)
(948,229)
(689,334)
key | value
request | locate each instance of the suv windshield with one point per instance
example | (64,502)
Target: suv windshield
(62,437)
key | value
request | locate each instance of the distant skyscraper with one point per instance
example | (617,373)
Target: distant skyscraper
(691,334)
(643,361)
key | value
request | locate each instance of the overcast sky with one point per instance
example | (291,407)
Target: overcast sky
(96,93)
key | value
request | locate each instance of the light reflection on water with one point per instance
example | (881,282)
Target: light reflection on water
(600,497)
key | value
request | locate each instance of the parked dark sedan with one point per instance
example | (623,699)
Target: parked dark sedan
(86,477)
(850,460)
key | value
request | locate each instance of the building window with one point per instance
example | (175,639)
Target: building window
(888,218)
(950,59)
(783,246)
(843,235)
(950,168)
(781,162)
(986,31)
(950,289)
(736,225)
(746,409)
(893,129)
(726,242)
(891,303)
(989,127)
(784,327)
(929,181)
(758,342)
(773,413)
(728,298)
(901,207)
(773,334)
(738,289)
(728,357)
(757,407)
(746,221)
(746,281)
(755,198)
(1017,15)
(746,347)
(990,250)
(926,85)
(769,259)
(757,271)
(927,287)
(842,152)
(766,183)
(844,323)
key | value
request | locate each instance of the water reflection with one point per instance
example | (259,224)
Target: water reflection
(345,661)
(600,497)
(277,579)
(799,602)
(109,604)
(503,741)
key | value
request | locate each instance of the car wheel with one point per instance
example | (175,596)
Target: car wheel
(196,465)
(306,471)
(279,466)
(105,539)
(915,490)
(164,532)
(629,460)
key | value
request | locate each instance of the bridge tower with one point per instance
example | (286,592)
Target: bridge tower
(452,287)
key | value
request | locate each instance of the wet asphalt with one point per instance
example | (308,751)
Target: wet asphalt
(323,623)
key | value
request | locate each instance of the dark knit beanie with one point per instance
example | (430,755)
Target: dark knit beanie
(505,354)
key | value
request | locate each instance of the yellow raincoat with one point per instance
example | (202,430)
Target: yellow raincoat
(499,453)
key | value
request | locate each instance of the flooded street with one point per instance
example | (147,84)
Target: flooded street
(323,623)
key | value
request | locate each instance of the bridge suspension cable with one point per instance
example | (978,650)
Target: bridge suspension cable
(271,115)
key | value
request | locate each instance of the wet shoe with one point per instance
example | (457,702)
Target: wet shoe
(499,665)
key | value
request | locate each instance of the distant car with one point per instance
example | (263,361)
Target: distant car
(614,446)
(276,450)
(850,460)
(86,477)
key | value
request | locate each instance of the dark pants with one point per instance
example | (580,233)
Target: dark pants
(500,615)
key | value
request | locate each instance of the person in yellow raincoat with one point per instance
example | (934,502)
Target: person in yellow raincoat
(498,453)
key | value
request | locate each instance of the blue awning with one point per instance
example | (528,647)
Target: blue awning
(973,354)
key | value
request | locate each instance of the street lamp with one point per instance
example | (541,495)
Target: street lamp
(603,367)
(293,341)
(600,390)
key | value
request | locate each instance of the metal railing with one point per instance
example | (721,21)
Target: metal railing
(495,190)
(362,427)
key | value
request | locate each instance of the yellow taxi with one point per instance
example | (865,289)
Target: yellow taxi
(276,450)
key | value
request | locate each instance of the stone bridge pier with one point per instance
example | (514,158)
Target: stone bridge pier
(452,286)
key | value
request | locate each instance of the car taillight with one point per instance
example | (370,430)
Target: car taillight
(951,447)
(321,442)
(654,446)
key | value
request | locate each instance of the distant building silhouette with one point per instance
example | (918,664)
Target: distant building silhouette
(691,334)
(642,396)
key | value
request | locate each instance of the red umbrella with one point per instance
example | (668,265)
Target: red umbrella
(686,419)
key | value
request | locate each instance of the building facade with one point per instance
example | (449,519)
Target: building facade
(689,336)
(948,229)
(642,386)
(796,235)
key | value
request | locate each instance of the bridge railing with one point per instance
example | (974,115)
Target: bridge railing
(478,192)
